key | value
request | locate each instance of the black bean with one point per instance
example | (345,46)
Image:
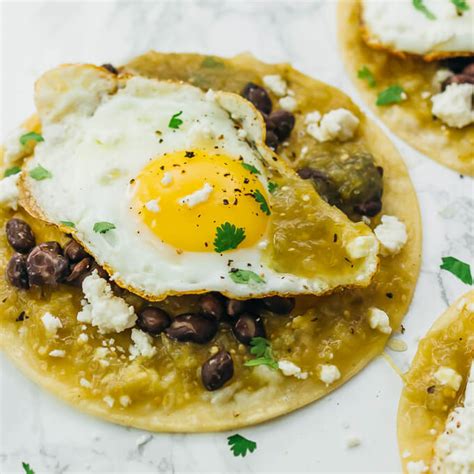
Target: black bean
(212,304)
(110,68)
(278,304)
(100,270)
(45,265)
(217,370)
(369,208)
(271,140)
(74,251)
(469,69)
(456,64)
(258,96)
(235,307)
(20,236)
(79,272)
(457,79)
(16,271)
(192,328)
(281,122)
(312,173)
(153,320)
(247,327)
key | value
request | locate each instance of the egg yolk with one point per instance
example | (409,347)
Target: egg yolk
(183,197)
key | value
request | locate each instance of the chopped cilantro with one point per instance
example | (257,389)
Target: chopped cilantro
(262,351)
(211,62)
(244,276)
(24,139)
(103,227)
(458,268)
(250,168)
(391,95)
(420,6)
(228,237)
(365,74)
(68,224)
(11,171)
(240,445)
(39,173)
(258,196)
(272,187)
(461,5)
(27,468)
(175,122)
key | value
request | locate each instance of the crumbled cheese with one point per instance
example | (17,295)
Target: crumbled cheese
(447,376)
(100,355)
(361,246)
(153,205)
(85,383)
(167,178)
(352,441)
(57,353)
(312,118)
(102,308)
(338,124)
(199,196)
(276,84)
(290,369)
(142,345)
(425,95)
(416,467)
(454,105)
(329,374)
(288,103)
(392,234)
(51,323)
(82,338)
(440,76)
(125,400)
(13,150)
(453,451)
(9,192)
(109,401)
(379,320)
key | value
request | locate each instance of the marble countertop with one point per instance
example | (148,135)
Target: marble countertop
(54,438)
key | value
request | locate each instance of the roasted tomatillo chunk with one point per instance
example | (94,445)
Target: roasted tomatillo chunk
(212,304)
(75,252)
(258,96)
(247,327)
(16,271)
(217,370)
(192,328)
(46,265)
(19,235)
(153,320)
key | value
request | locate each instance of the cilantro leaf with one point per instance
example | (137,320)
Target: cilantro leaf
(420,6)
(461,5)
(103,227)
(272,187)
(211,62)
(39,173)
(27,468)
(11,171)
(391,95)
(228,237)
(457,268)
(258,196)
(250,168)
(244,276)
(240,445)
(175,122)
(365,74)
(68,224)
(262,351)
(25,138)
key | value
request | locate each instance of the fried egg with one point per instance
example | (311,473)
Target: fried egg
(432,28)
(173,191)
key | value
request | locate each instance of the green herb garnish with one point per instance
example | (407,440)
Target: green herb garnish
(258,196)
(461,5)
(24,139)
(103,227)
(11,171)
(68,224)
(420,6)
(272,187)
(39,173)
(391,95)
(245,276)
(250,168)
(262,351)
(458,268)
(211,62)
(240,445)
(175,122)
(365,74)
(228,237)
(27,468)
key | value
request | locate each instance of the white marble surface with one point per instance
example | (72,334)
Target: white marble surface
(54,438)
